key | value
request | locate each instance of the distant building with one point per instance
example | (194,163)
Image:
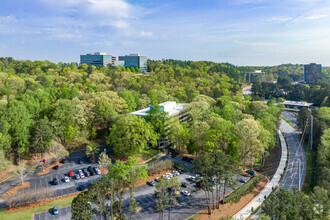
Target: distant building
(98,59)
(296,106)
(312,73)
(135,60)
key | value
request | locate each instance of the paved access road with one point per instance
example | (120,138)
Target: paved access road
(296,170)
(145,195)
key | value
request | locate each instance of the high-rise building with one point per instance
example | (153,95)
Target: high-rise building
(98,59)
(135,60)
(312,73)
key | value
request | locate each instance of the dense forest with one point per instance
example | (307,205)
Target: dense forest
(42,102)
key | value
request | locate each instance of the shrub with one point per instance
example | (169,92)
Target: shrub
(179,167)
(243,190)
(160,166)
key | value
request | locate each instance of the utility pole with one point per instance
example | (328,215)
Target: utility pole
(311,147)
(299,171)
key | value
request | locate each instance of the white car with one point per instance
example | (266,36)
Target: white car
(192,178)
(185,192)
(66,179)
(169,174)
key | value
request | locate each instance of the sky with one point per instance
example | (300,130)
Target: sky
(241,32)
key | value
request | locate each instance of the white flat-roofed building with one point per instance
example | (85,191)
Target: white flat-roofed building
(171,107)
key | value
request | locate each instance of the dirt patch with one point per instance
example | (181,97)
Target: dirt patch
(38,204)
(231,209)
(46,170)
(187,155)
(15,189)
(103,170)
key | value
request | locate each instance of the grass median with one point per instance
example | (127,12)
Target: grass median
(27,214)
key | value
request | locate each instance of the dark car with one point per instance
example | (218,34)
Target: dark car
(151,183)
(251,172)
(56,167)
(80,161)
(55,210)
(89,160)
(87,173)
(90,168)
(180,171)
(63,160)
(93,173)
(82,188)
(241,180)
(55,181)
(185,185)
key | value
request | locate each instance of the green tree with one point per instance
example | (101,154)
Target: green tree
(80,207)
(97,192)
(15,127)
(158,118)
(42,135)
(163,199)
(174,186)
(131,134)
(303,115)
(92,149)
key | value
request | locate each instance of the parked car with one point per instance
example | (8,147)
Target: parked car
(93,172)
(185,185)
(89,160)
(81,174)
(80,161)
(77,176)
(241,180)
(55,181)
(70,173)
(55,210)
(180,171)
(56,167)
(66,179)
(157,179)
(90,168)
(97,170)
(251,172)
(151,183)
(192,178)
(86,172)
(185,192)
(82,188)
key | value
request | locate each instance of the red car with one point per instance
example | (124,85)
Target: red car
(70,173)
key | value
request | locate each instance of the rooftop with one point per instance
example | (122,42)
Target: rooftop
(171,107)
(306,104)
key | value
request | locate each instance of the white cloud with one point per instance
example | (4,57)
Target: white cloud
(313,17)
(146,34)
(253,43)
(280,19)
(7,19)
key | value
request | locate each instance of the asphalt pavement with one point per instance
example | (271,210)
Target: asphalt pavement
(145,195)
(296,169)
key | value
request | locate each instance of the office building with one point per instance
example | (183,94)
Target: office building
(135,60)
(98,59)
(312,73)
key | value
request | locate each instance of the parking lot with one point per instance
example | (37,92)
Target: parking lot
(63,188)
(145,195)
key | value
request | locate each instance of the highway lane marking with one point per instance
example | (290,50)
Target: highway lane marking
(295,173)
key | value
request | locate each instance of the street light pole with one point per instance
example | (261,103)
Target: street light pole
(299,171)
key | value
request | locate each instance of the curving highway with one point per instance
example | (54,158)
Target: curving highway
(296,169)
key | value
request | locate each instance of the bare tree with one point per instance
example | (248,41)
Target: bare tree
(104,159)
(23,170)
(58,150)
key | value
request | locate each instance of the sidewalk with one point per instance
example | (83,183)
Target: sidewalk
(259,199)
